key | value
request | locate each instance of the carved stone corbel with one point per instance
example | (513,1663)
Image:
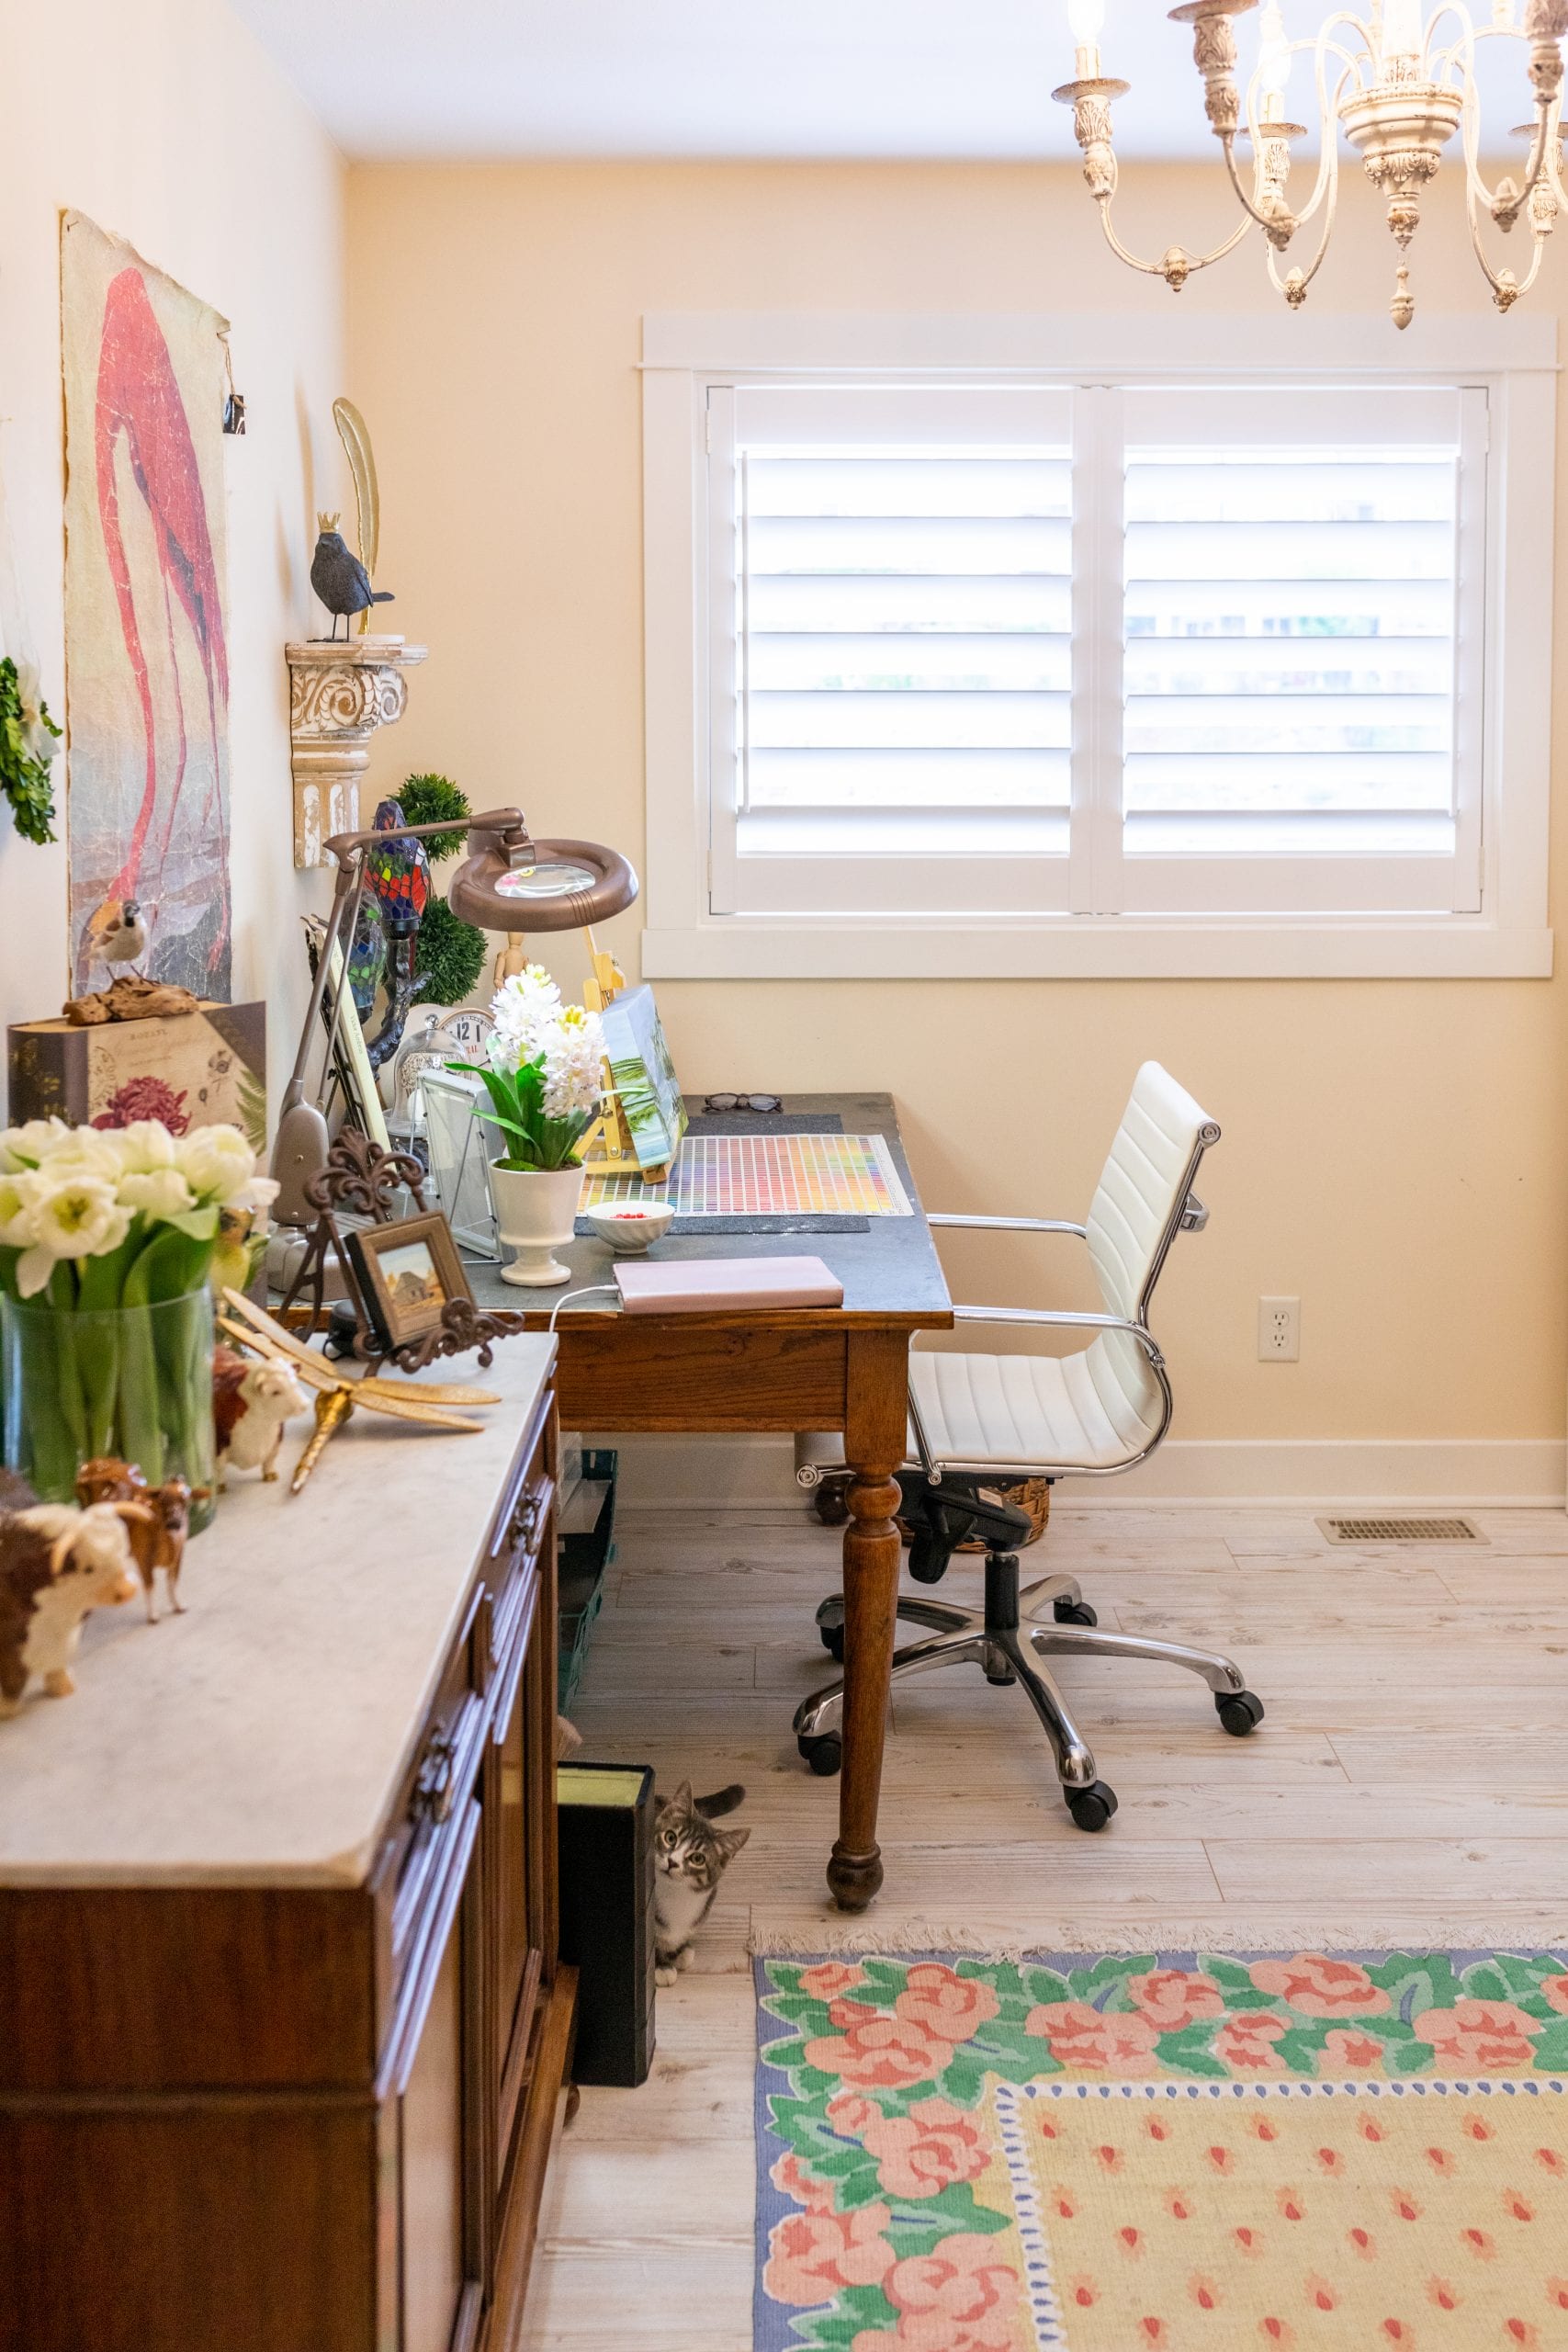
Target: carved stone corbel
(339,694)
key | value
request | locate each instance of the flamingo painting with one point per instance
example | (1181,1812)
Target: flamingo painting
(147,652)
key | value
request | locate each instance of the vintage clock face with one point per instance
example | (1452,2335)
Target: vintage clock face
(464,1031)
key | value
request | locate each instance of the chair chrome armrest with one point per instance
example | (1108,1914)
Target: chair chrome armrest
(1194,1215)
(1010,1224)
(1063,1319)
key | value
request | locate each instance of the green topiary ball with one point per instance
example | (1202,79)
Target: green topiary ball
(451,955)
(425,800)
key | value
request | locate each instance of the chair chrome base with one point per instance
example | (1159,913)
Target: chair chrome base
(1004,1640)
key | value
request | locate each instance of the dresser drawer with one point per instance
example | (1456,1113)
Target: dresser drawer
(480,1678)
(445,1767)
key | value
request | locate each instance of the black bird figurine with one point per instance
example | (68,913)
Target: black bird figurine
(338,577)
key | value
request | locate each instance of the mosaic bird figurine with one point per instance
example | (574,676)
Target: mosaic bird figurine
(338,577)
(367,960)
(115,933)
(397,870)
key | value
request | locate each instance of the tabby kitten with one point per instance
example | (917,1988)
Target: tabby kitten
(689,1859)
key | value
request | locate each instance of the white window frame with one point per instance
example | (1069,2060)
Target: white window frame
(1513,359)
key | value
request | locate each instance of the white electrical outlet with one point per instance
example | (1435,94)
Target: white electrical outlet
(1279,1330)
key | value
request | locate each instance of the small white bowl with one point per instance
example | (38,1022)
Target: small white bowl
(629,1230)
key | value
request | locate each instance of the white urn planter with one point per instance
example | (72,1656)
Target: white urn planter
(536,1209)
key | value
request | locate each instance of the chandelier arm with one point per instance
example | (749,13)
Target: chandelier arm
(1441,60)
(1227,140)
(1541,163)
(1307,275)
(1322,42)
(1161,268)
(1505,289)
(1541,158)
(1327,181)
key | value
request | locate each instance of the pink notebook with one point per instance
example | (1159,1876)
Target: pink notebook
(713,1285)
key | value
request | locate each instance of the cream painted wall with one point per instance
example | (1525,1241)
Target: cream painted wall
(166,123)
(1396,1153)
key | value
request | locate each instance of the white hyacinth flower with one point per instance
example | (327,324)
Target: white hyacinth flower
(574,1051)
(77,1217)
(523,1009)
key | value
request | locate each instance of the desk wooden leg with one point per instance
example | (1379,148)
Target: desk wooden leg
(874,1447)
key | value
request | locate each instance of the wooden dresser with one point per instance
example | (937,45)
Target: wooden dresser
(283,2037)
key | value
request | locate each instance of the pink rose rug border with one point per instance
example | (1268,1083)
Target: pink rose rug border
(871,2083)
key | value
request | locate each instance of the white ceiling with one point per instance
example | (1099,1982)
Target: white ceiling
(719,78)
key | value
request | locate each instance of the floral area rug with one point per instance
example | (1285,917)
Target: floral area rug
(1171,2152)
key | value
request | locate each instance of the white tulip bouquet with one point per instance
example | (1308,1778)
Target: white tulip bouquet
(542,1072)
(107,1238)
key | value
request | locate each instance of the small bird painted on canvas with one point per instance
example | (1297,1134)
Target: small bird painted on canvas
(397,871)
(117,933)
(338,577)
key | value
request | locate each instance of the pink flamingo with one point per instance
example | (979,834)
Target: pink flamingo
(138,399)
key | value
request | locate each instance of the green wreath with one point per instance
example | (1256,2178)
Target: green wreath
(24,772)
(451,955)
(427,800)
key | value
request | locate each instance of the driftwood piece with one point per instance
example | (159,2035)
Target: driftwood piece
(129,997)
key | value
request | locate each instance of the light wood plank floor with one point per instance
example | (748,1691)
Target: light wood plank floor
(1412,1776)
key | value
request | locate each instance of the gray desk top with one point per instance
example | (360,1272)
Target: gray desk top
(892,1269)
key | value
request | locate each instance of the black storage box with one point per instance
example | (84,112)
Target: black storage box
(606,1915)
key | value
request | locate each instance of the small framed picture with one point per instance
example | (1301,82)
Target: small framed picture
(407,1271)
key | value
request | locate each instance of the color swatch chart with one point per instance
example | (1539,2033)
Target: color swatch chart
(762,1175)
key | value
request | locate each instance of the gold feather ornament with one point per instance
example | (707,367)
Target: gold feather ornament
(354,435)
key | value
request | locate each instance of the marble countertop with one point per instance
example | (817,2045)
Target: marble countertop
(262,1737)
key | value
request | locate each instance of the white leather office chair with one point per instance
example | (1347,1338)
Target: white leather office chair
(978,1423)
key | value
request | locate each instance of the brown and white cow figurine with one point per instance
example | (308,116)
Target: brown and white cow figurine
(56,1564)
(251,1400)
(157,1521)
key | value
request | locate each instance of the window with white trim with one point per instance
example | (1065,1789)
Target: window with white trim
(996,651)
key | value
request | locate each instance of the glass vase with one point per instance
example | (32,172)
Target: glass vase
(134,1383)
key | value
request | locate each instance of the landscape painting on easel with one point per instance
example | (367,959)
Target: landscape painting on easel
(147,661)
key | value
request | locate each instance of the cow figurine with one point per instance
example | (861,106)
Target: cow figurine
(252,1399)
(56,1564)
(157,1521)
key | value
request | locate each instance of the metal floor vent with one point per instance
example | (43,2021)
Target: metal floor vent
(1379,1529)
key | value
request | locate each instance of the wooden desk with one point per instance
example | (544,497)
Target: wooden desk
(803,1369)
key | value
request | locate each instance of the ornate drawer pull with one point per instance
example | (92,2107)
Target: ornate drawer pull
(435,1789)
(525,1523)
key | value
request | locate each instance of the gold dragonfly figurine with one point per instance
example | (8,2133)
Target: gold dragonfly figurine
(431,1403)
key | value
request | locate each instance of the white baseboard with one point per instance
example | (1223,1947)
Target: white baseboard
(756,1472)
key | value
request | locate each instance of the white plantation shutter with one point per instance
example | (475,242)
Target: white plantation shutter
(892,667)
(1303,611)
(1105,649)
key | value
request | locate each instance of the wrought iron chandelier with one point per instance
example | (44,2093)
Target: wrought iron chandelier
(1397,88)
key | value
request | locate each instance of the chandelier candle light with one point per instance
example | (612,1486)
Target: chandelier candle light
(1398,91)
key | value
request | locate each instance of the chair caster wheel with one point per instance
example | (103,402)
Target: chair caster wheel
(832,1639)
(1239,1710)
(830,1625)
(1074,1612)
(824,1754)
(827,1502)
(1092,1807)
